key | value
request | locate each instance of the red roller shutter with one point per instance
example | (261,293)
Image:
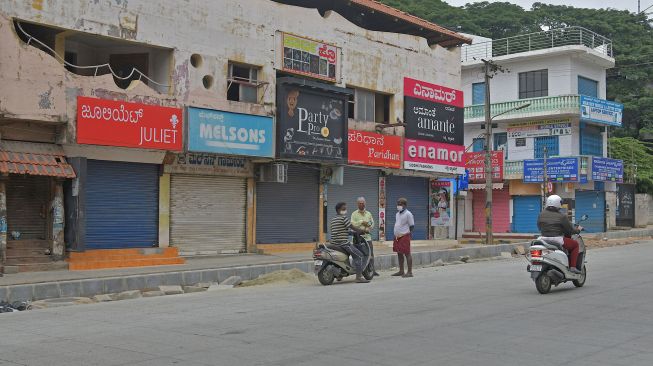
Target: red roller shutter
(500,211)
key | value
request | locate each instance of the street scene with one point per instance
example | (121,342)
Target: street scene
(320,182)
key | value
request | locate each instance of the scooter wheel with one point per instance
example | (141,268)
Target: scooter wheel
(368,273)
(581,281)
(325,276)
(543,283)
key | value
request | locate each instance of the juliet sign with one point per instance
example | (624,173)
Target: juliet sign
(373,149)
(433,157)
(114,123)
(433,112)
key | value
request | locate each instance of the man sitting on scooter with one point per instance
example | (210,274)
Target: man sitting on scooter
(554,224)
(340,229)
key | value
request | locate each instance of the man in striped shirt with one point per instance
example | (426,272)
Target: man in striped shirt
(340,227)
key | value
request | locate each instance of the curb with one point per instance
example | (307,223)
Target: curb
(92,287)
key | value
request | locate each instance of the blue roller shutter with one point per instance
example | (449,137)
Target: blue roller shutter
(525,212)
(122,205)
(416,191)
(288,212)
(358,182)
(591,203)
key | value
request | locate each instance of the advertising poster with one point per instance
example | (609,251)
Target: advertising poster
(441,201)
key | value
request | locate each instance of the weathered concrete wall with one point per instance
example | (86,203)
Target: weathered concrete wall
(650,209)
(641,210)
(611,215)
(219,31)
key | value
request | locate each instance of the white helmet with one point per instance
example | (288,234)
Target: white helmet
(554,201)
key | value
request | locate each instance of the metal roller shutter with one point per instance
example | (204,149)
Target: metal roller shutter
(357,182)
(208,213)
(27,198)
(122,205)
(526,210)
(288,212)
(500,211)
(416,191)
(592,204)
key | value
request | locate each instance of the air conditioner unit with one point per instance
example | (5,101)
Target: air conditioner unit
(274,173)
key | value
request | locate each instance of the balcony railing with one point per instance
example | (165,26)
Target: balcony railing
(514,169)
(569,36)
(561,104)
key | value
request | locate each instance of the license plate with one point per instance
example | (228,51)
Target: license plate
(536,268)
(318,263)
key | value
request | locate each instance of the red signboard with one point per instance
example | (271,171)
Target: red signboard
(115,123)
(373,149)
(433,156)
(433,93)
(475,165)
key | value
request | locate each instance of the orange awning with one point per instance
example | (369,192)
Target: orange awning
(34,159)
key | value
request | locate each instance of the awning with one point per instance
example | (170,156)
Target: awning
(482,186)
(34,159)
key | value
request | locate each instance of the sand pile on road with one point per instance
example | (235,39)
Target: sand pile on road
(279,277)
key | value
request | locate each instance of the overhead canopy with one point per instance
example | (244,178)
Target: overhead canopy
(34,159)
(373,15)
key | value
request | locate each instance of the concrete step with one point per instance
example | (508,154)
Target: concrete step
(26,252)
(106,264)
(36,267)
(28,244)
(11,261)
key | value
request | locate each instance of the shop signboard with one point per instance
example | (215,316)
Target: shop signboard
(607,170)
(115,123)
(308,57)
(557,170)
(433,112)
(373,149)
(601,111)
(229,133)
(433,157)
(475,165)
(208,164)
(539,129)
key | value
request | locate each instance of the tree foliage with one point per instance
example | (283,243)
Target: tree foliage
(638,161)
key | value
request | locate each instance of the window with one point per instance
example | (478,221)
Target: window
(370,106)
(588,87)
(548,142)
(478,93)
(478,144)
(591,140)
(242,83)
(533,84)
(501,143)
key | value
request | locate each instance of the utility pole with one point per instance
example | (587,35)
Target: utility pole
(545,183)
(489,240)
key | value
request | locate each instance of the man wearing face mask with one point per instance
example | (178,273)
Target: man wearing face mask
(363,218)
(404,226)
(340,229)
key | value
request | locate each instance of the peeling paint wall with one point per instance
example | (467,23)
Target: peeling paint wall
(36,86)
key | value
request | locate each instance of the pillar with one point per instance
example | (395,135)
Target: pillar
(164,210)
(3,221)
(57,208)
(251,216)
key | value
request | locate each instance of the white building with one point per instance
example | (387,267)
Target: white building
(549,72)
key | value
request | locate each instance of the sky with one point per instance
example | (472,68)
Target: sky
(630,5)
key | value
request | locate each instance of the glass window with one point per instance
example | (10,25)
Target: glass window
(591,140)
(243,83)
(588,87)
(370,106)
(533,84)
(501,143)
(478,93)
(478,144)
(550,143)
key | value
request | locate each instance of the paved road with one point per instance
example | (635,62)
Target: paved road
(485,313)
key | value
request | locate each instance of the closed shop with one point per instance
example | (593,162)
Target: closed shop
(208,213)
(357,182)
(526,210)
(288,212)
(500,210)
(416,191)
(28,200)
(122,204)
(592,204)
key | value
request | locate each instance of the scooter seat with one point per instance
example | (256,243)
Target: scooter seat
(337,248)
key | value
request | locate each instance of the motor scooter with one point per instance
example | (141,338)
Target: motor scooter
(549,263)
(334,263)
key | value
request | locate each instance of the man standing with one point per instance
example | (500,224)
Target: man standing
(363,219)
(404,226)
(340,227)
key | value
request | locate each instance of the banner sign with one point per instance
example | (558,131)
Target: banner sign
(475,165)
(311,124)
(609,170)
(114,123)
(539,129)
(433,157)
(373,149)
(229,133)
(433,112)
(601,111)
(441,195)
(311,58)
(209,164)
(557,170)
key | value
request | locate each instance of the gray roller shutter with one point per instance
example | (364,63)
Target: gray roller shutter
(27,200)
(208,213)
(288,212)
(357,182)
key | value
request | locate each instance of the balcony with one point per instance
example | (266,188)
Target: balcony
(562,37)
(514,169)
(540,107)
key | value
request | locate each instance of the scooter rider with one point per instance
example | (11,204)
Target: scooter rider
(340,229)
(555,225)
